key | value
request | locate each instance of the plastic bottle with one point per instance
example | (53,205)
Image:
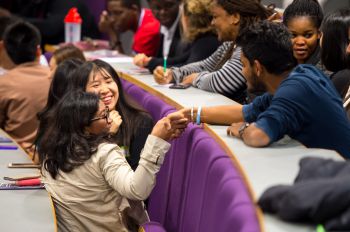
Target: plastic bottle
(72,26)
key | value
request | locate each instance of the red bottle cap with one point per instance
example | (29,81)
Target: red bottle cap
(73,16)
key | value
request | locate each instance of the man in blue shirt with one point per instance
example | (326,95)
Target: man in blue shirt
(300,101)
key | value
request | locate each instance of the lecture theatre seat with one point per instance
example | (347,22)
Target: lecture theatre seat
(198,187)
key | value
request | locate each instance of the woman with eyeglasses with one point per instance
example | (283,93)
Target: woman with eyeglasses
(92,185)
(130,124)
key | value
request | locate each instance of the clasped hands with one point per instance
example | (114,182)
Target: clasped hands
(171,126)
(167,128)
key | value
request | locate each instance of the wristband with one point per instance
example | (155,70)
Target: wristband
(198,121)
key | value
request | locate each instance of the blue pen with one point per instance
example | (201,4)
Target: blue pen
(8,147)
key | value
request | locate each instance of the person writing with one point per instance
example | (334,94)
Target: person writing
(220,72)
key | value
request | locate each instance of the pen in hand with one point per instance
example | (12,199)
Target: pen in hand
(164,64)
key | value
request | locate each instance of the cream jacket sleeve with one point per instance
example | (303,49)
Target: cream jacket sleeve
(117,172)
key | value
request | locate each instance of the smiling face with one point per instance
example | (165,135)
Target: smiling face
(226,25)
(101,83)
(305,37)
(101,123)
(165,11)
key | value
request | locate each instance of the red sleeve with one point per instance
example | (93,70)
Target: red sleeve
(146,38)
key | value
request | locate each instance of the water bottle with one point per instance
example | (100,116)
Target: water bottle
(72,26)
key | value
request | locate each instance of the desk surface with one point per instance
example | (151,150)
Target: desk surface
(263,167)
(23,210)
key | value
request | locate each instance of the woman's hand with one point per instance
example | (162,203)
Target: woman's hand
(116,121)
(170,127)
(141,60)
(162,78)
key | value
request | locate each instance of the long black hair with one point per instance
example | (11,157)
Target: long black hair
(131,114)
(65,144)
(335,39)
(62,82)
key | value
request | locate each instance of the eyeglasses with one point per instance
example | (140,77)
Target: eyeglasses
(105,116)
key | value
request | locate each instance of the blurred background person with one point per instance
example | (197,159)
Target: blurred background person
(171,41)
(125,15)
(335,52)
(197,30)
(24,88)
(5,62)
(65,53)
(48,17)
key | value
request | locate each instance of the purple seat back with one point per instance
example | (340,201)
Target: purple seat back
(198,187)
(152,227)
(226,194)
(155,106)
(48,56)
(172,177)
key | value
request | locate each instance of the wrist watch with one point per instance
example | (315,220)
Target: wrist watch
(242,128)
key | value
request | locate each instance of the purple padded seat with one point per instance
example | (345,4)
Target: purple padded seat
(126,85)
(170,187)
(137,93)
(205,154)
(48,56)
(225,194)
(172,179)
(197,183)
(157,108)
(152,227)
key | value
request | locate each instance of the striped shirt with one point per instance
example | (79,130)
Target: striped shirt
(228,80)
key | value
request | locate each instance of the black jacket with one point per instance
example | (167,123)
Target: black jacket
(177,48)
(320,195)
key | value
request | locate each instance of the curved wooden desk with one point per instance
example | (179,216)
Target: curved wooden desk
(23,210)
(259,167)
